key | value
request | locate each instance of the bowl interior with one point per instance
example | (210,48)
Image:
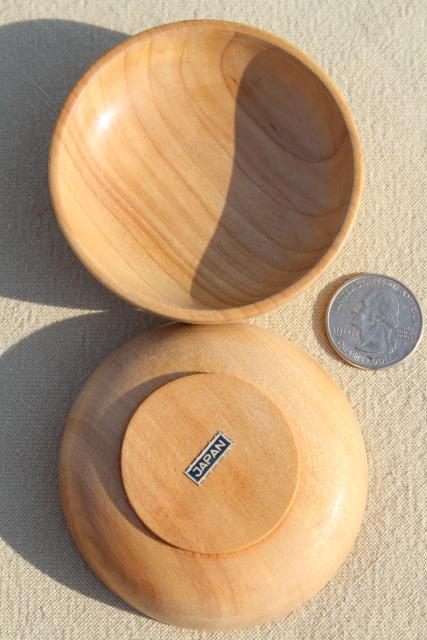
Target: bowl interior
(196,167)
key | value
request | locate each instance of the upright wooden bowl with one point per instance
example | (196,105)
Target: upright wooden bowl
(255,532)
(205,170)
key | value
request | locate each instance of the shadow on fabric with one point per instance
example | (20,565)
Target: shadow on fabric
(40,62)
(40,376)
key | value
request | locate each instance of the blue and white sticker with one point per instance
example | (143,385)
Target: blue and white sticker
(208,458)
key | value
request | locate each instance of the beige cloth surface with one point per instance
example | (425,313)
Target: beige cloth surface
(57,322)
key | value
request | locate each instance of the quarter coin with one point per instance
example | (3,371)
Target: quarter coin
(374,321)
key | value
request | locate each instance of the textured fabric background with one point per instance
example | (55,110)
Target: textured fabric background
(57,322)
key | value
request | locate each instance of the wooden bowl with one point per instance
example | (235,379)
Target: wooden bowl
(213,477)
(205,170)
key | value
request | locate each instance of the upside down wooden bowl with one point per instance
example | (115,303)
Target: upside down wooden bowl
(207,171)
(213,477)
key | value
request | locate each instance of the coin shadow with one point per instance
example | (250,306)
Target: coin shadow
(319,312)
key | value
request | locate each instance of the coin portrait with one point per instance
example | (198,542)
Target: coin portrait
(376,316)
(374,321)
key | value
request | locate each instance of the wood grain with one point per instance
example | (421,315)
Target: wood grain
(205,170)
(198,589)
(244,498)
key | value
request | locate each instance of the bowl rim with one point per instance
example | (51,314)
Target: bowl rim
(264,305)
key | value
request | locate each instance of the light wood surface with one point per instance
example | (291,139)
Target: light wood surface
(145,546)
(205,170)
(246,495)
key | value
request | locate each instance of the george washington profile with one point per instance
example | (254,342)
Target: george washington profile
(376,315)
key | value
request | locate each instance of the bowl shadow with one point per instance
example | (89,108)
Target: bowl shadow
(40,377)
(40,61)
(290,187)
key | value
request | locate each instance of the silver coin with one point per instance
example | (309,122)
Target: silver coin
(374,321)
